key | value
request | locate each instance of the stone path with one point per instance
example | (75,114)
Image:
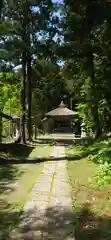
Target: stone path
(48,214)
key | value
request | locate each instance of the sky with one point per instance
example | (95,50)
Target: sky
(57,1)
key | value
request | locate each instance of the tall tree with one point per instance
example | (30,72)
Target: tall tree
(80,43)
(28,22)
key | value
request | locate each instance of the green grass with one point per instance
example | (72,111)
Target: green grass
(16,183)
(92,206)
(41,151)
(23,185)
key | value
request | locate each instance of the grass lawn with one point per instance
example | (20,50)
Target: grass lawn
(44,150)
(16,183)
(92,206)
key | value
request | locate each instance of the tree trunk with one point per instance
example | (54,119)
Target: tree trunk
(29,85)
(0,128)
(23,97)
(94,109)
(35,129)
(24,63)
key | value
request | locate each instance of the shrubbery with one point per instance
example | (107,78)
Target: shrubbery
(103,158)
(102,176)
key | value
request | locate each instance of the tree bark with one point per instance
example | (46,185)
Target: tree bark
(29,85)
(35,128)
(23,98)
(97,126)
(23,82)
(0,128)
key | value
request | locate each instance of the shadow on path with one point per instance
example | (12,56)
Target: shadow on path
(20,154)
(38,160)
(58,224)
(8,175)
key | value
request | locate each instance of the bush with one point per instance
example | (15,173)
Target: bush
(102,157)
(102,176)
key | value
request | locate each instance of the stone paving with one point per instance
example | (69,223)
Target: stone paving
(48,214)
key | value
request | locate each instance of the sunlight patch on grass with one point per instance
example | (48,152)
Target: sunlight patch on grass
(22,187)
(16,183)
(83,193)
(92,207)
(25,177)
(41,151)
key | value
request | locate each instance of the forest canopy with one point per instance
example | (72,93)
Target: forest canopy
(63,48)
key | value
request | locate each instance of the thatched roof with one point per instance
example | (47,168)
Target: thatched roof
(61,111)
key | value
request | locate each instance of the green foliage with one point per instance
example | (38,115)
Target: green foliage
(85,113)
(48,87)
(9,98)
(35,27)
(87,45)
(102,176)
(100,154)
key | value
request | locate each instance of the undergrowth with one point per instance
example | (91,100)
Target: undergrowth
(101,155)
